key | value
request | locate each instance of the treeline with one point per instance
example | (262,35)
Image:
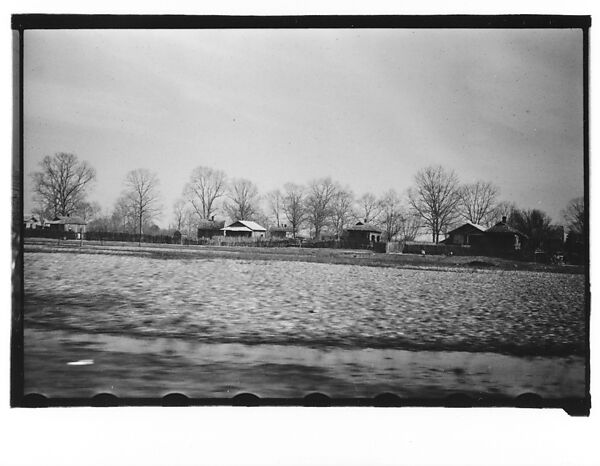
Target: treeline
(435,203)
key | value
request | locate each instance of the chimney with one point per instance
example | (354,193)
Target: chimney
(212,218)
(365,221)
(504,219)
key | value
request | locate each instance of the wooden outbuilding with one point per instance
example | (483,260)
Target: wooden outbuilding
(207,228)
(281,232)
(362,235)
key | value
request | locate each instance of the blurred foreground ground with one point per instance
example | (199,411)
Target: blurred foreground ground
(154,367)
(138,325)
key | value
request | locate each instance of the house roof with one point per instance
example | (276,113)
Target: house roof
(479,227)
(468,224)
(236,229)
(206,224)
(360,226)
(244,225)
(501,228)
(31,218)
(282,229)
(66,220)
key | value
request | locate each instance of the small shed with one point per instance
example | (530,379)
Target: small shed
(207,228)
(462,235)
(244,229)
(363,234)
(281,232)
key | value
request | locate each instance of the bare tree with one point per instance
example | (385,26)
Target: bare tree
(244,200)
(123,218)
(477,202)
(205,187)
(62,183)
(179,212)
(319,203)
(142,197)
(574,215)
(275,205)
(435,198)
(101,224)
(391,214)
(342,210)
(293,206)
(369,208)
(501,209)
(409,226)
(189,225)
(88,210)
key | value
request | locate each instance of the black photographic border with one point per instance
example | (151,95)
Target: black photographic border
(22,22)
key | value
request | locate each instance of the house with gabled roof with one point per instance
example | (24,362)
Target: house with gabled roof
(281,232)
(67,224)
(362,234)
(208,228)
(501,240)
(504,238)
(244,229)
(462,235)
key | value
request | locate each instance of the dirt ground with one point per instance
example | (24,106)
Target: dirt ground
(304,303)
(136,323)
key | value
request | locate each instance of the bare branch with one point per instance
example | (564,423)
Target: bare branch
(435,199)
(140,199)
(62,183)
(205,187)
(243,195)
(369,208)
(294,206)
(319,203)
(477,202)
(574,215)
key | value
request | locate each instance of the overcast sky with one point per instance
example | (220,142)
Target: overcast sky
(367,107)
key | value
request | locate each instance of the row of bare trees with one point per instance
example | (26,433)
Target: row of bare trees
(435,203)
(441,201)
(324,204)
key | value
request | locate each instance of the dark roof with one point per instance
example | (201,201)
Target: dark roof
(360,226)
(468,226)
(281,229)
(502,228)
(206,224)
(473,228)
(66,220)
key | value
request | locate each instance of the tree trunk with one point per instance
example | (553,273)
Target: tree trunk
(140,232)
